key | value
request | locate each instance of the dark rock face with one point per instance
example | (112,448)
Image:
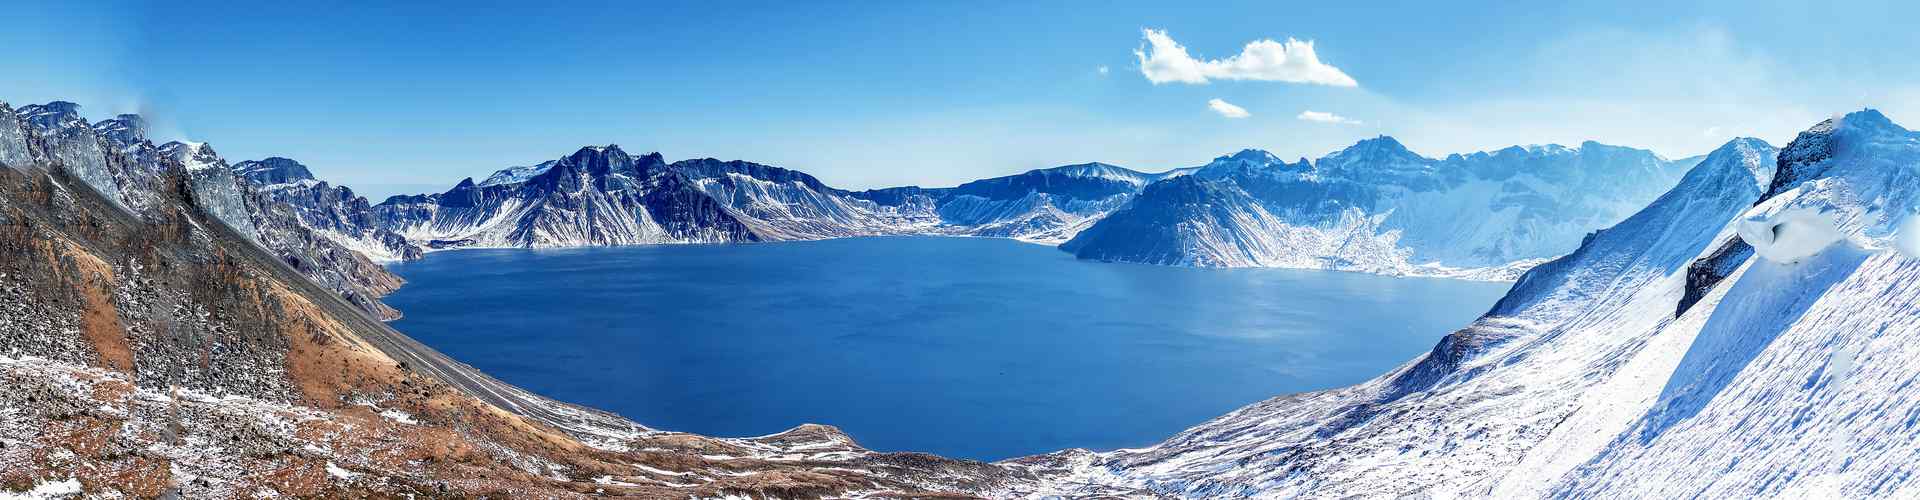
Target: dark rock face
(1705,273)
(1806,157)
(334,212)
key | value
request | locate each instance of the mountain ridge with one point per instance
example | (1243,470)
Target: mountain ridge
(1653,361)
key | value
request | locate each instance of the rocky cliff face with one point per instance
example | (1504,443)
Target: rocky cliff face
(116,158)
(1378,207)
(596,196)
(1748,334)
(215,188)
(168,354)
(328,210)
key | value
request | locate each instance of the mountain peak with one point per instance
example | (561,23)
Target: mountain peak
(195,156)
(1382,141)
(125,129)
(1092,170)
(1382,150)
(1251,157)
(1871,119)
(1805,157)
(1383,145)
(52,115)
(1256,156)
(272,170)
(598,160)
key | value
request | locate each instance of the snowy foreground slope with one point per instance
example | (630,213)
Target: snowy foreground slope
(1788,375)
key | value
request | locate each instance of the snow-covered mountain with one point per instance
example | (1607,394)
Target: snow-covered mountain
(1373,207)
(595,196)
(332,211)
(272,171)
(516,175)
(1378,207)
(779,204)
(1046,205)
(733,201)
(1750,333)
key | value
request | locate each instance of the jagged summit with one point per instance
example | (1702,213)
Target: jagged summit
(1806,156)
(608,158)
(272,170)
(124,130)
(1249,157)
(195,155)
(1379,148)
(52,115)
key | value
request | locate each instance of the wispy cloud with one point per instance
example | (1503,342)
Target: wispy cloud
(1102,70)
(1163,60)
(1227,109)
(1325,117)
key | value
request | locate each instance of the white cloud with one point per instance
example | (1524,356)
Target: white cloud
(1227,109)
(1325,117)
(1103,70)
(1163,60)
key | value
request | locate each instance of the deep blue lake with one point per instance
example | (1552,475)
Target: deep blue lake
(964,347)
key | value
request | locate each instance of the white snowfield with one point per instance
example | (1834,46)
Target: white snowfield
(1793,375)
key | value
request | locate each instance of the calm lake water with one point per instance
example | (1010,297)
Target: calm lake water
(964,347)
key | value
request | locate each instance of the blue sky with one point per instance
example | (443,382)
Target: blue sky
(415,97)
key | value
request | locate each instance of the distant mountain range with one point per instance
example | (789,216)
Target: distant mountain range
(1373,207)
(1378,207)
